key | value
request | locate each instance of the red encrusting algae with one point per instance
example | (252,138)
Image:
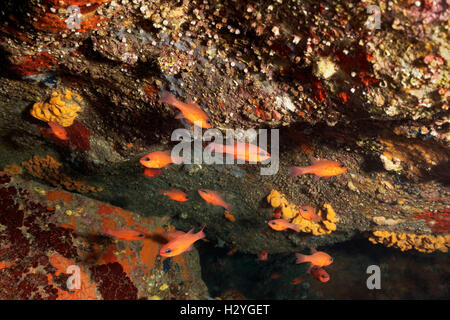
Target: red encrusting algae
(43,19)
(438,221)
(35,64)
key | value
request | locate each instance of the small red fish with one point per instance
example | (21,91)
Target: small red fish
(124,234)
(214,198)
(58,130)
(175,194)
(159,159)
(282,224)
(263,255)
(190,111)
(297,281)
(319,273)
(240,150)
(320,168)
(150,173)
(277,213)
(309,213)
(181,242)
(317,258)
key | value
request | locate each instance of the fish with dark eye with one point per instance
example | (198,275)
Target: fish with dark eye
(191,111)
(240,150)
(124,234)
(181,242)
(321,168)
(282,224)
(175,194)
(214,198)
(319,273)
(309,213)
(159,159)
(58,130)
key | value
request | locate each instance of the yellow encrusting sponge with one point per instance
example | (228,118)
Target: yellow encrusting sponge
(62,108)
(290,212)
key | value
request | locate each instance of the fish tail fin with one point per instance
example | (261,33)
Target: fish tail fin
(301,258)
(161,191)
(175,159)
(297,171)
(168,98)
(295,227)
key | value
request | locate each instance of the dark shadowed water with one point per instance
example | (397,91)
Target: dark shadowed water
(403,275)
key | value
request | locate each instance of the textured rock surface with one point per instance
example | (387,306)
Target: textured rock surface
(44,232)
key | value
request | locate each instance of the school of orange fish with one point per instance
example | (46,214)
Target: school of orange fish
(179,241)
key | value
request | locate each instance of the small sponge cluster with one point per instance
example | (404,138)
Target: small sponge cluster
(290,212)
(62,108)
(406,241)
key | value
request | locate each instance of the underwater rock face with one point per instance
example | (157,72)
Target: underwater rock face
(375,100)
(47,234)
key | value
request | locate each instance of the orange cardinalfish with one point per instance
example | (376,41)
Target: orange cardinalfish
(282,224)
(190,111)
(159,159)
(124,234)
(319,273)
(175,194)
(309,213)
(150,173)
(263,255)
(214,198)
(240,150)
(58,130)
(317,258)
(181,242)
(320,168)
